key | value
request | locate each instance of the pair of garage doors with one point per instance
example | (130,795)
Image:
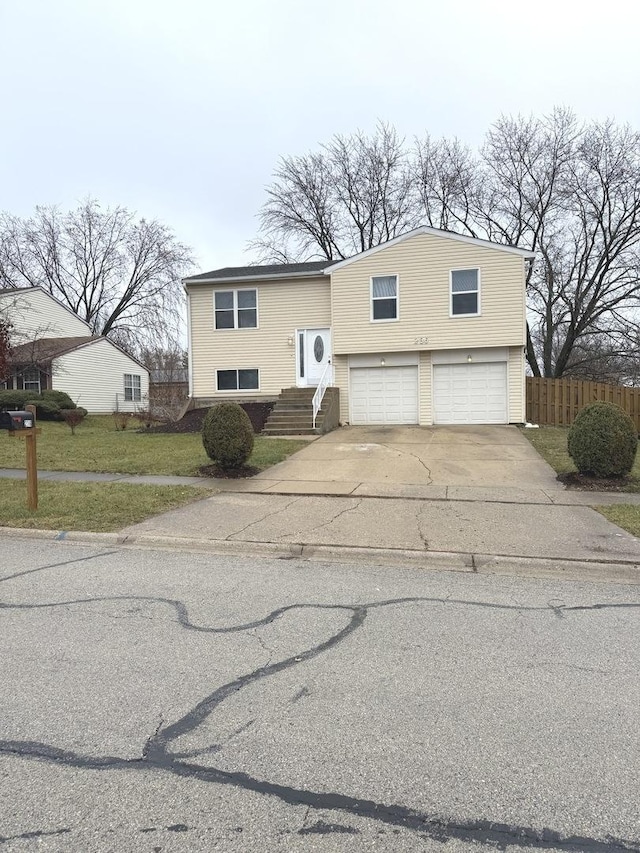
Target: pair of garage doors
(462,394)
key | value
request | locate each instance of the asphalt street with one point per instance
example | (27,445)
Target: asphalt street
(162,701)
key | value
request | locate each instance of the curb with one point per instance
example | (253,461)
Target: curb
(611,571)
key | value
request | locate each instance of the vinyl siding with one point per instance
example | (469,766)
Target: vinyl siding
(35,314)
(424,379)
(341,381)
(283,307)
(93,376)
(516,385)
(423,264)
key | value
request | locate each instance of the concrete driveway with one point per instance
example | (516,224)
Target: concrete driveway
(478,456)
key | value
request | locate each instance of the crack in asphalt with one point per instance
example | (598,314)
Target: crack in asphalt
(34,833)
(56,565)
(157,754)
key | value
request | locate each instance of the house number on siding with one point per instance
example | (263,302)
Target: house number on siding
(418,342)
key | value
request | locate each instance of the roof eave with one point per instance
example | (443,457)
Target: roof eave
(434,232)
(271,277)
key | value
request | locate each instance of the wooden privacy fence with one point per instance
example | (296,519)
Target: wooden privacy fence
(556,402)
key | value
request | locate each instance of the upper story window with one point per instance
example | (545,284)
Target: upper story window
(384,297)
(465,292)
(236,309)
(132,387)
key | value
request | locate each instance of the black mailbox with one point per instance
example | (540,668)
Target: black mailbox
(17,420)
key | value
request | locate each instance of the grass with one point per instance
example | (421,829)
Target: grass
(551,444)
(98,446)
(626,516)
(97,507)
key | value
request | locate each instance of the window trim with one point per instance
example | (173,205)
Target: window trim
(132,388)
(384,319)
(235,327)
(237,389)
(478,291)
(33,369)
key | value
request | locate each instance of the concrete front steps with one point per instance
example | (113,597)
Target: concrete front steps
(293,413)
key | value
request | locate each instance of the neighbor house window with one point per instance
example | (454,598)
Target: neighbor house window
(245,379)
(465,292)
(384,297)
(31,379)
(132,387)
(236,309)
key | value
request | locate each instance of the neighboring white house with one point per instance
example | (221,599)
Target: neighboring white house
(428,328)
(54,349)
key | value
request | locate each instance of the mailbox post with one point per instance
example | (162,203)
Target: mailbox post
(23,424)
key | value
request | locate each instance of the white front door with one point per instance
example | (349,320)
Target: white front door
(314,354)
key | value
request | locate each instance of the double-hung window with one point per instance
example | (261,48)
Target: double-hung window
(31,379)
(236,309)
(384,297)
(132,387)
(244,379)
(465,292)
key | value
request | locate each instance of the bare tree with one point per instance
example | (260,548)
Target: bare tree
(355,193)
(5,348)
(569,191)
(120,274)
(169,375)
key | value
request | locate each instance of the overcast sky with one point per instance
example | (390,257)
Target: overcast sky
(180,109)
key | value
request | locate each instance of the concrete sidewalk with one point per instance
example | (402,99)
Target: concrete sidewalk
(268,485)
(533,532)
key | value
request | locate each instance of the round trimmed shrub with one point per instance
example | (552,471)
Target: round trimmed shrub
(603,441)
(227,435)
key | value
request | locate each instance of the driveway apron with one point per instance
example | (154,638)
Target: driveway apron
(487,456)
(464,490)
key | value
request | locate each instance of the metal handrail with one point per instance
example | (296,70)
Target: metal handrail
(319,395)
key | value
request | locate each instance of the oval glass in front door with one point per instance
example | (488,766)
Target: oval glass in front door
(318,348)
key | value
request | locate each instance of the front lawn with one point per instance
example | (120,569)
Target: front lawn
(98,446)
(97,507)
(626,516)
(551,444)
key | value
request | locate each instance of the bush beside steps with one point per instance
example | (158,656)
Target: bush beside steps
(227,436)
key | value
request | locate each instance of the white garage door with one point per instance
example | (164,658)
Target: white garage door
(470,393)
(384,395)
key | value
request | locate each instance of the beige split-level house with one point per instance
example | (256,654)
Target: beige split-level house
(428,328)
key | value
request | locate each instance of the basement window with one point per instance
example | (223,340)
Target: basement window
(244,379)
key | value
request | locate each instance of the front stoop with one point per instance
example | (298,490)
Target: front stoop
(293,412)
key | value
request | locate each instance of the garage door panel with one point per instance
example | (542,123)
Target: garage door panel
(470,393)
(384,395)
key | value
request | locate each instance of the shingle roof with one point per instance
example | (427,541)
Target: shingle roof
(262,270)
(44,349)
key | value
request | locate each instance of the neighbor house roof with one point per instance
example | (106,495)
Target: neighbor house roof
(44,349)
(310,268)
